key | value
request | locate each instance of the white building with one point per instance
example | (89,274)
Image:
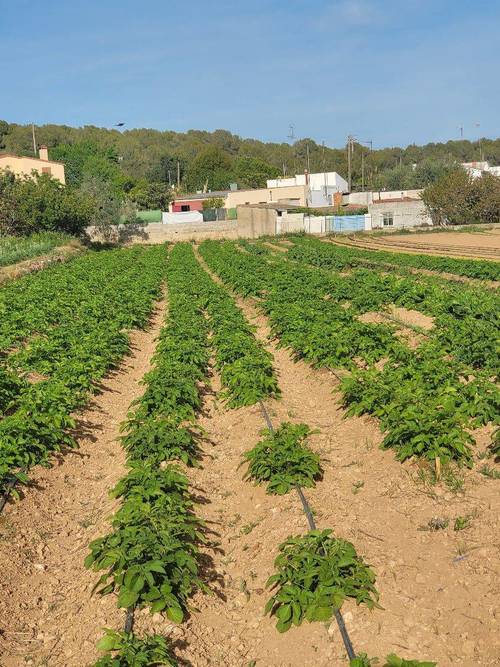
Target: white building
(322,187)
(476,169)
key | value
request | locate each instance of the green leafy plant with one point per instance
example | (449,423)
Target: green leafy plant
(316,573)
(392,660)
(282,459)
(126,650)
(462,522)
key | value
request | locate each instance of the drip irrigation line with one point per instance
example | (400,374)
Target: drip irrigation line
(312,525)
(10,486)
(129,620)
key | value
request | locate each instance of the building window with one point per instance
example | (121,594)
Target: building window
(185,207)
(388,219)
(46,170)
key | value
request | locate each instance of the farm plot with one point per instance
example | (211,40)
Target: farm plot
(348,254)
(61,331)
(211,502)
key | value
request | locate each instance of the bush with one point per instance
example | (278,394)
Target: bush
(41,203)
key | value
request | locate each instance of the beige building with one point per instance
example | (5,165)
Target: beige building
(292,194)
(24,166)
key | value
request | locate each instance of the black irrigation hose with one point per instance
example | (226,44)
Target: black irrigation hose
(129,620)
(312,525)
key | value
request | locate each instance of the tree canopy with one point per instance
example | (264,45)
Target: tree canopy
(153,155)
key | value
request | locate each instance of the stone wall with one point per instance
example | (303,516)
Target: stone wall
(160,233)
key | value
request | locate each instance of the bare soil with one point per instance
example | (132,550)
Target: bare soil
(454,244)
(489,239)
(48,616)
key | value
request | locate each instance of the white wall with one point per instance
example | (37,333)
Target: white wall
(316,181)
(184,216)
(405,214)
(365,198)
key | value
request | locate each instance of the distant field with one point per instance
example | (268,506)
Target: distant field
(484,244)
(14,249)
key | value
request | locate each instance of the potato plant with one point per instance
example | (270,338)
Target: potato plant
(315,574)
(283,460)
(69,324)
(124,649)
(314,312)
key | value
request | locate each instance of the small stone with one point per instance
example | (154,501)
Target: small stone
(468,647)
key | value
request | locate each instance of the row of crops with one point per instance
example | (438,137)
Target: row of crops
(151,557)
(61,331)
(427,399)
(346,257)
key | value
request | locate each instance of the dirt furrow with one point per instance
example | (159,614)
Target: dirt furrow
(48,616)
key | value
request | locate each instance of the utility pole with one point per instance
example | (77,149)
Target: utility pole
(34,139)
(479,141)
(308,159)
(350,148)
(362,172)
(284,170)
(461,128)
(178,173)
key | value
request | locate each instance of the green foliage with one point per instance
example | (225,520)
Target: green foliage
(209,170)
(330,256)
(150,195)
(251,172)
(126,650)
(88,159)
(150,557)
(152,154)
(41,203)
(14,249)
(427,399)
(213,202)
(72,334)
(246,368)
(392,660)
(316,573)
(282,459)
(458,198)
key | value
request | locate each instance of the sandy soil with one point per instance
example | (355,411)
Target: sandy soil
(489,239)
(48,616)
(439,589)
(454,244)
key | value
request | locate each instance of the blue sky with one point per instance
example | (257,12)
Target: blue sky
(395,72)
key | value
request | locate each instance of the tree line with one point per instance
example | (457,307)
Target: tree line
(197,159)
(111,175)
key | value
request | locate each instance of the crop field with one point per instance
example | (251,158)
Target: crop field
(250,453)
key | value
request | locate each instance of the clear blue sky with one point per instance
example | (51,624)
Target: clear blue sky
(392,71)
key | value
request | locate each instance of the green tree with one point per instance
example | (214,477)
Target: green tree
(213,202)
(453,199)
(487,189)
(86,159)
(41,203)
(251,172)
(210,170)
(151,196)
